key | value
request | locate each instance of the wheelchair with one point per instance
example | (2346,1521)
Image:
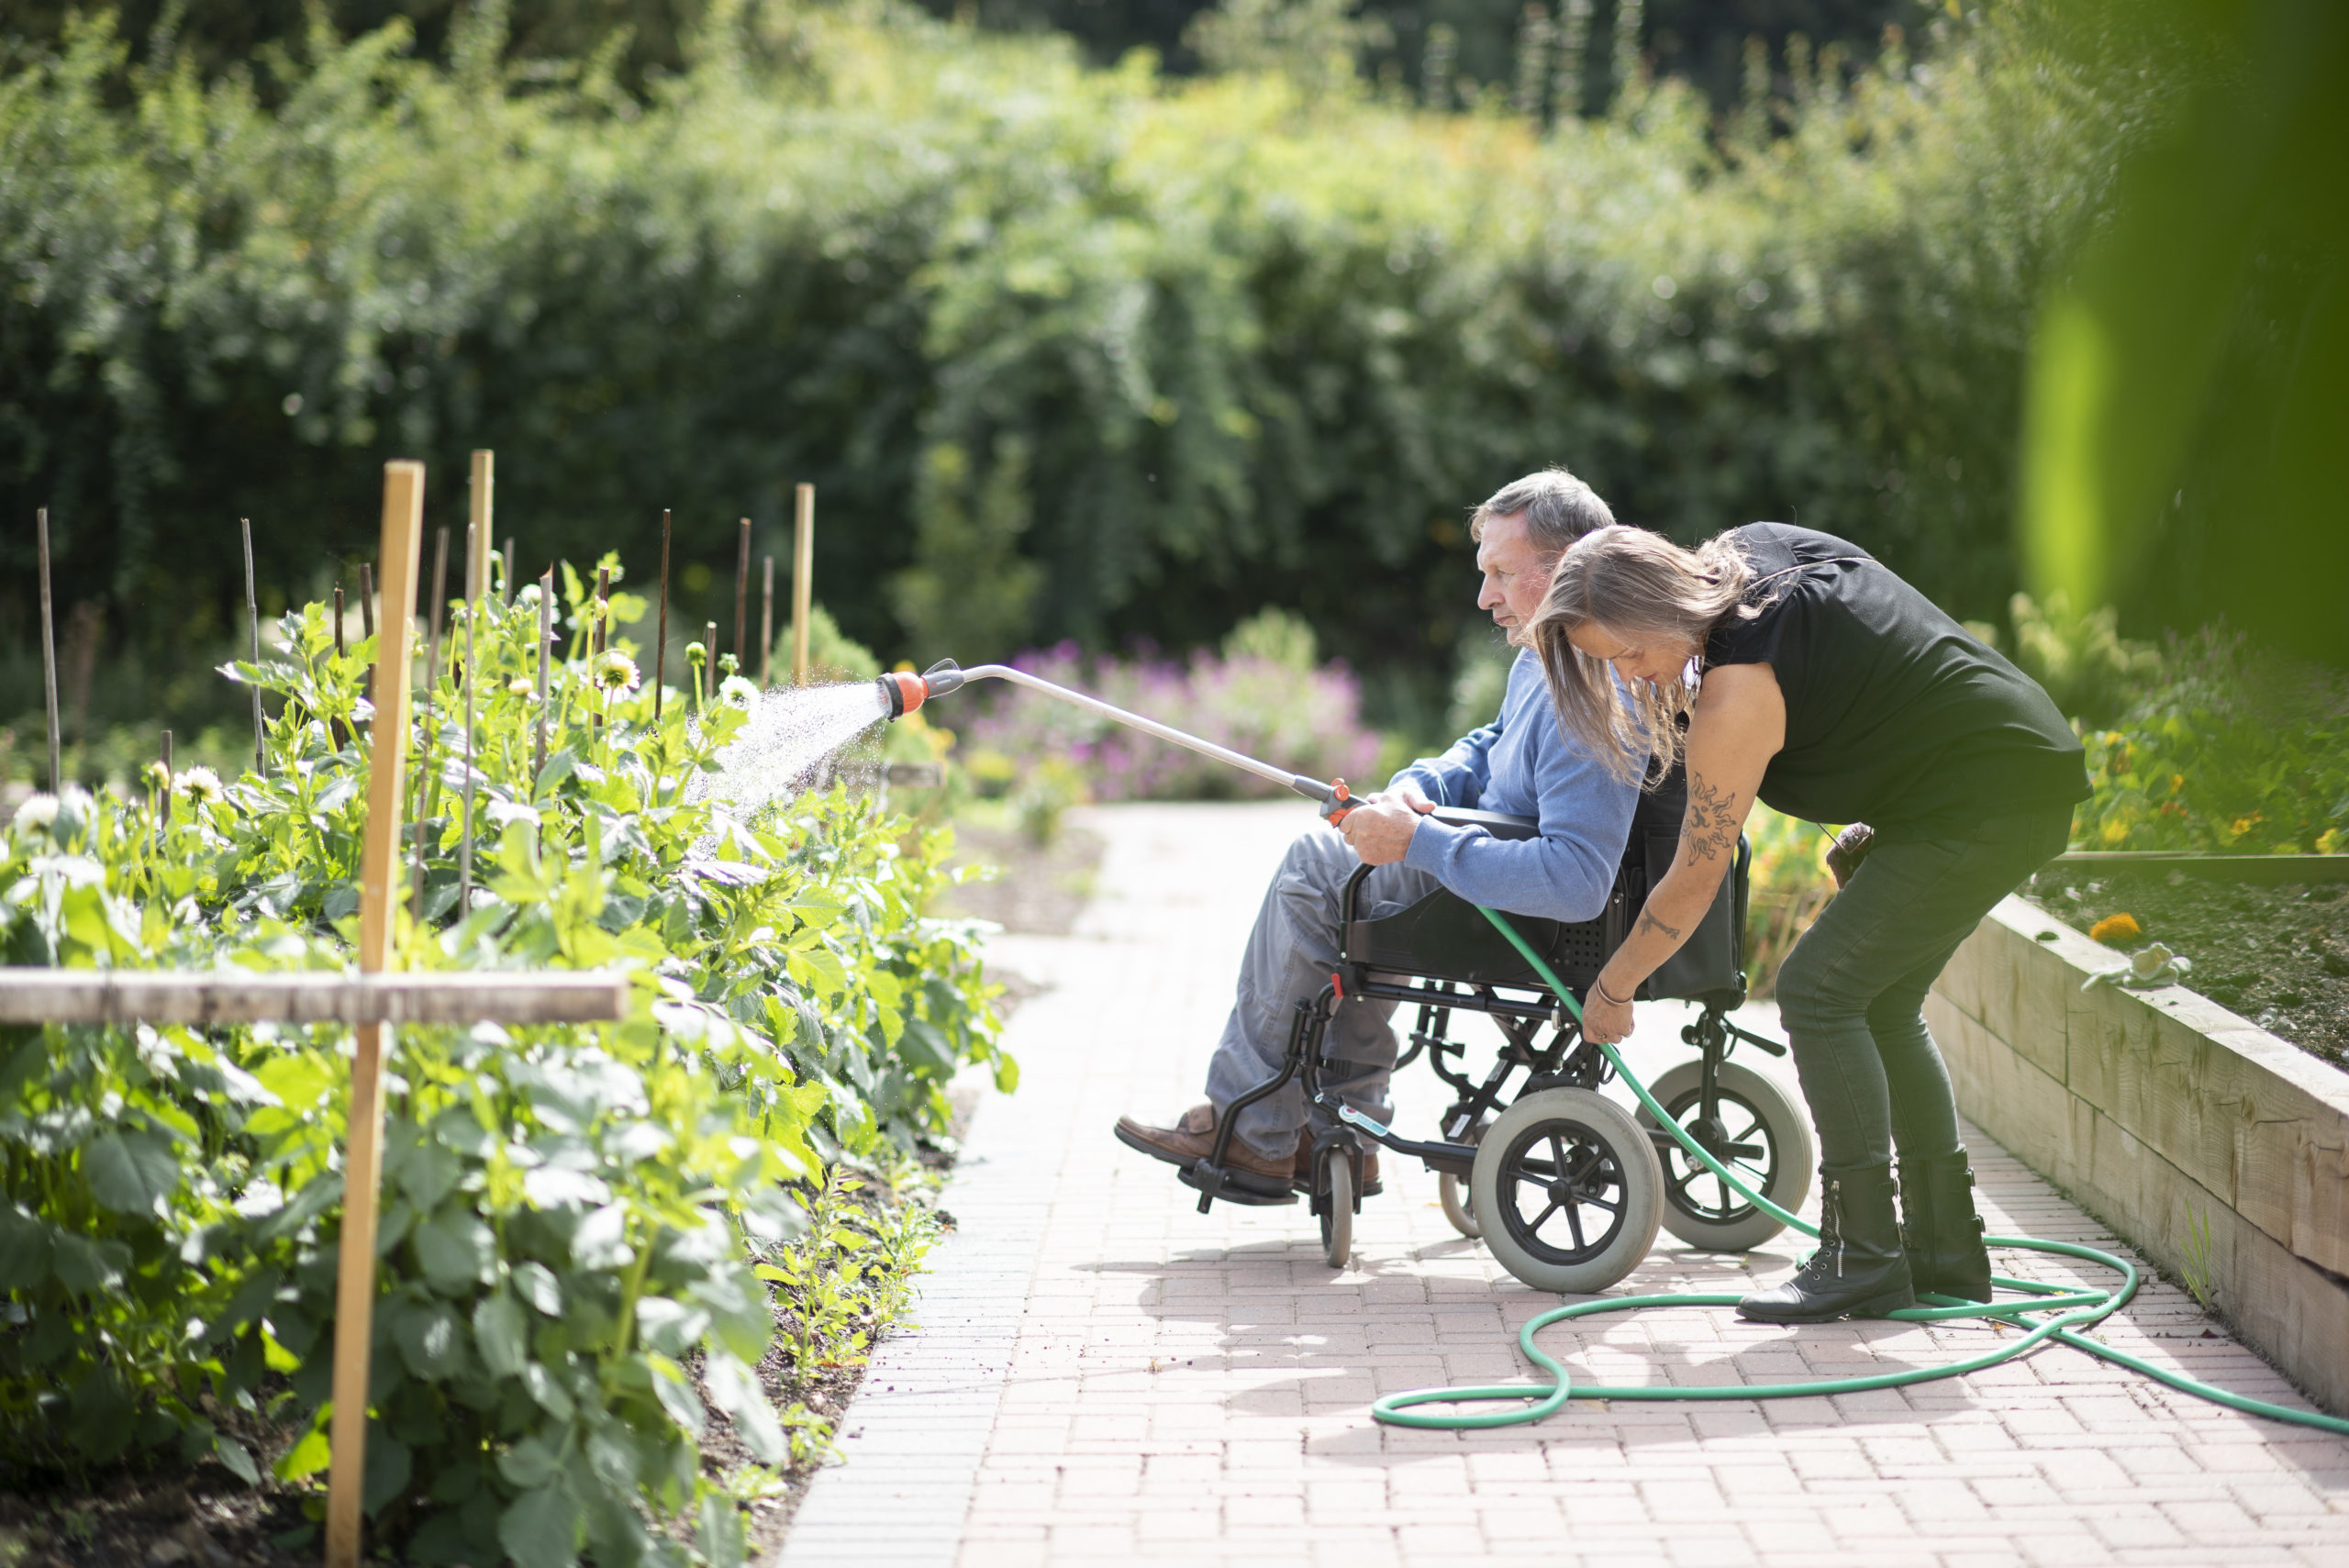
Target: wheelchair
(1565,1186)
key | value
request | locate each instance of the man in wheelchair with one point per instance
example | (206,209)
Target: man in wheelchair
(1521,764)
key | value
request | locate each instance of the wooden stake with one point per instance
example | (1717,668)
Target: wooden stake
(546,634)
(596,634)
(766,623)
(49,659)
(363,1163)
(741,598)
(431,679)
(484,485)
(505,589)
(474,534)
(334,728)
(803,578)
(660,647)
(366,628)
(252,620)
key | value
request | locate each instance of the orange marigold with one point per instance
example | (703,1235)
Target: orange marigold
(2117,930)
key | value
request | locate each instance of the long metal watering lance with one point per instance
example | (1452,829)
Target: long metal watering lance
(907,692)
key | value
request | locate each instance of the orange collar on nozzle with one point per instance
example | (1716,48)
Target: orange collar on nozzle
(906,691)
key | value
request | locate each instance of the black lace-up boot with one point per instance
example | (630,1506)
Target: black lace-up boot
(1942,1232)
(1859,1270)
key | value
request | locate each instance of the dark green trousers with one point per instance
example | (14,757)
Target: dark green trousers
(1852,992)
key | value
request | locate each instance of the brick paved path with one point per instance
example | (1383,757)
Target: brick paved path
(1103,1373)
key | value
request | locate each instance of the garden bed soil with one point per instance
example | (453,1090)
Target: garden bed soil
(2277,955)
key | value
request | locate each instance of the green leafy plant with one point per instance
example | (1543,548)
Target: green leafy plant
(2224,749)
(572,1217)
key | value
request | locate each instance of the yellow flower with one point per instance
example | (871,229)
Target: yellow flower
(2329,841)
(2117,930)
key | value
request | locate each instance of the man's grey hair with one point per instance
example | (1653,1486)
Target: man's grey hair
(1558,508)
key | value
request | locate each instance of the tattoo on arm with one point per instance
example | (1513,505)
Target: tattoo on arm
(1711,825)
(1648,922)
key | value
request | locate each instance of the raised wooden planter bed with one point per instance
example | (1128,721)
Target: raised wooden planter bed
(2160,1111)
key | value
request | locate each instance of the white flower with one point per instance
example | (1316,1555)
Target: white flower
(613,671)
(38,812)
(201,784)
(527,596)
(736,692)
(522,686)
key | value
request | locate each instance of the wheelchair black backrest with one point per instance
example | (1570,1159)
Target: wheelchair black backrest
(1443,936)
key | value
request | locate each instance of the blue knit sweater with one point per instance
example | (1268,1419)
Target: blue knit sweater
(1521,764)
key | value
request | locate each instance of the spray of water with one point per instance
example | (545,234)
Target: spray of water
(792,732)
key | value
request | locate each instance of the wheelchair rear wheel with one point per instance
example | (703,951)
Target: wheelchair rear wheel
(1567,1191)
(1459,1201)
(1459,1206)
(1334,1196)
(1761,1134)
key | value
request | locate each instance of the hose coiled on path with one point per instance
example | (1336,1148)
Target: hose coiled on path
(2049,1312)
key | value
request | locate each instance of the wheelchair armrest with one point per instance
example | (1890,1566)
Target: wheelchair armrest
(1499,824)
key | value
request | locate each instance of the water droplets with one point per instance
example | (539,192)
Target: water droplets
(791,733)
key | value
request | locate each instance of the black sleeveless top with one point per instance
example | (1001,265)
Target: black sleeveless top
(1897,715)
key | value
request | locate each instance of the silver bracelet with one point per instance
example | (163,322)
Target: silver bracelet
(1604,996)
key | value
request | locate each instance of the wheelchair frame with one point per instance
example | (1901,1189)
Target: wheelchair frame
(1441,956)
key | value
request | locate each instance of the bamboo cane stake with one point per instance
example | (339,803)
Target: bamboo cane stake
(661,646)
(366,628)
(803,577)
(252,621)
(505,589)
(465,841)
(598,630)
(431,678)
(362,1164)
(546,634)
(49,659)
(335,734)
(741,598)
(766,623)
(485,487)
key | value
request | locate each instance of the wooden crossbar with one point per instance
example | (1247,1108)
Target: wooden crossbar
(232,996)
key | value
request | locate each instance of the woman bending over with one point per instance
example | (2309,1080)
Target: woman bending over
(1791,666)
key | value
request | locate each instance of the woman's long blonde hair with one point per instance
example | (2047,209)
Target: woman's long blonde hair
(1645,589)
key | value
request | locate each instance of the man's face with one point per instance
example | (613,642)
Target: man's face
(1516,575)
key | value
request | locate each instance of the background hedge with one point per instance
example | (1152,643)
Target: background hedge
(1068,352)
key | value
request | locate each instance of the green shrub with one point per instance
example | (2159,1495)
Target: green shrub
(579,1223)
(1068,354)
(2223,749)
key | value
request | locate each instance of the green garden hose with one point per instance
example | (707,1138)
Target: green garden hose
(2067,1312)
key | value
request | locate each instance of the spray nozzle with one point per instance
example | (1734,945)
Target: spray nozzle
(906,691)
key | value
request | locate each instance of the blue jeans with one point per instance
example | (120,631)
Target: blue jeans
(1290,954)
(1852,992)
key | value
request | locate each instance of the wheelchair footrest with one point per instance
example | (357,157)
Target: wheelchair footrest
(1236,1186)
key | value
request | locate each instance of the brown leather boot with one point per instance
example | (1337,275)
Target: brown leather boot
(1191,1138)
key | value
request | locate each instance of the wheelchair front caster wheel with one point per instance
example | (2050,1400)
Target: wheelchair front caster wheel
(1757,1131)
(1334,1199)
(1567,1191)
